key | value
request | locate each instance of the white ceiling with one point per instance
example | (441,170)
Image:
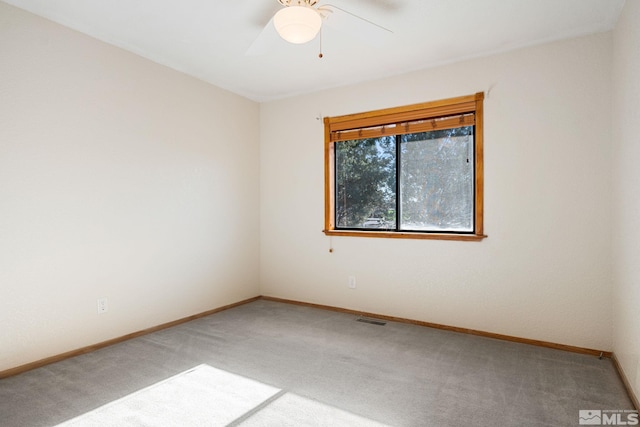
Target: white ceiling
(209,39)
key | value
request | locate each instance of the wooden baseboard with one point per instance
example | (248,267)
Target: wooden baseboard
(43,362)
(564,347)
(625,381)
(88,349)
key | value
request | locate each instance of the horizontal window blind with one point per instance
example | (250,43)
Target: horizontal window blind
(416,118)
(417,126)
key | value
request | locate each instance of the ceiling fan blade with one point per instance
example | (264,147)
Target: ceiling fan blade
(353,25)
(264,12)
(265,42)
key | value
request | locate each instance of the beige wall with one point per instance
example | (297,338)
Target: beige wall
(119,178)
(543,273)
(626,203)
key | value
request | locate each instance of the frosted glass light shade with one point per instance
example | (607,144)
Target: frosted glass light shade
(297,24)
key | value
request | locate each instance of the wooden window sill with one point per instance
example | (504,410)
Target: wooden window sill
(406,235)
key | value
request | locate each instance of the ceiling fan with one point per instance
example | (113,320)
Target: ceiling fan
(300,21)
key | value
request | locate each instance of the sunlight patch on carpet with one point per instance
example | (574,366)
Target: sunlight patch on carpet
(200,396)
(206,396)
(293,410)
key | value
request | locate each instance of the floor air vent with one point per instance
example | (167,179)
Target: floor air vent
(372,321)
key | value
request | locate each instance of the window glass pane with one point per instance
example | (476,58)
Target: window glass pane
(365,171)
(437,180)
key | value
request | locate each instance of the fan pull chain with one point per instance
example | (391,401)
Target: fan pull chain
(320,55)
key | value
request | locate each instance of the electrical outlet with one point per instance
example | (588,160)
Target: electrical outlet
(103,305)
(352,282)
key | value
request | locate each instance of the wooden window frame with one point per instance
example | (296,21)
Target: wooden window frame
(341,127)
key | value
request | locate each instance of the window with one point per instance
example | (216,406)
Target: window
(407,172)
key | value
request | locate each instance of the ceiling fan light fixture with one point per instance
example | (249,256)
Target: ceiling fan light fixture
(297,24)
